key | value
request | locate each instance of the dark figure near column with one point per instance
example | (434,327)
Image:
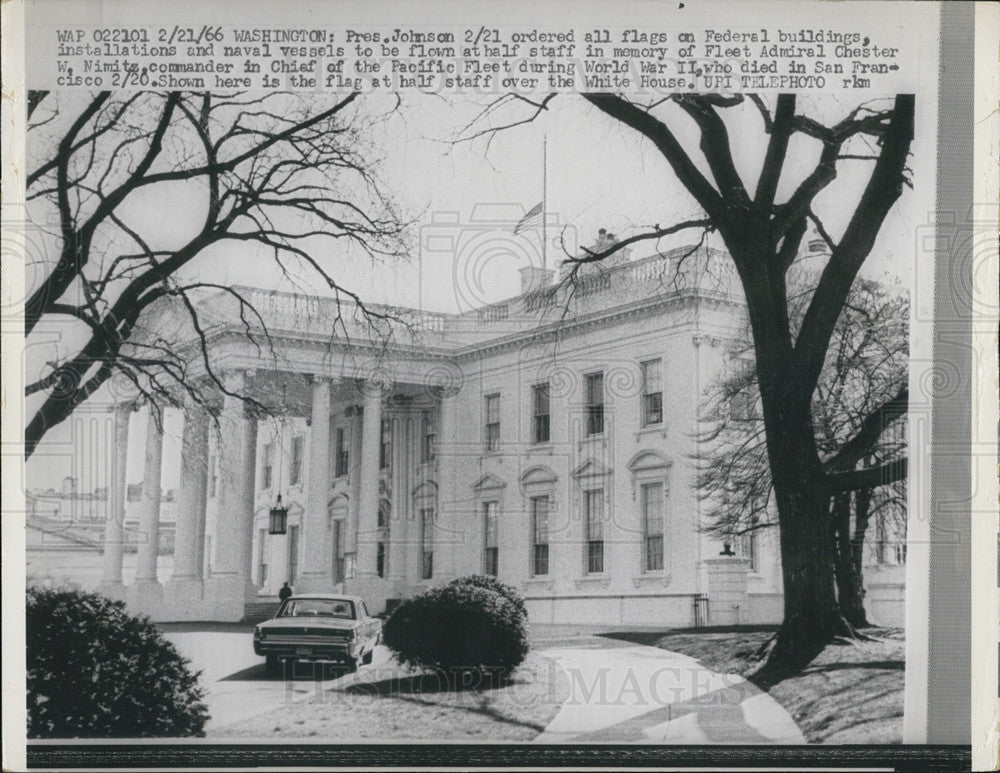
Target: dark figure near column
(285,592)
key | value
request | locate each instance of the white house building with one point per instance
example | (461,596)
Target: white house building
(549,440)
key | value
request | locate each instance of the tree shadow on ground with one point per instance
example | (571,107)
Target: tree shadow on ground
(430,682)
(299,672)
(884,665)
(653,638)
(478,689)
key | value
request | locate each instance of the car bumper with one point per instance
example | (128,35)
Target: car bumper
(339,652)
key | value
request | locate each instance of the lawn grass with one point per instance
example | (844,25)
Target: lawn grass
(851,693)
(394,703)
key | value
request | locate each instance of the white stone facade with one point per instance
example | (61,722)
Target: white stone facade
(406,463)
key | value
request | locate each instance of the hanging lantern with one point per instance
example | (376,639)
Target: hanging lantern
(279,518)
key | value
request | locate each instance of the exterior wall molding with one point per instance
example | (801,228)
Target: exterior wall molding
(592,468)
(489,484)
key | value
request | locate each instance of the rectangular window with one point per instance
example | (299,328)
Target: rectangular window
(540,413)
(652,525)
(491,551)
(492,422)
(748,548)
(595,403)
(380,559)
(296,471)
(652,393)
(338,551)
(427,543)
(428,438)
(385,444)
(341,452)
(540,535)
(593,505)
(268,465)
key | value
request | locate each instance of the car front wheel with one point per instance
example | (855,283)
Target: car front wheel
(272,664)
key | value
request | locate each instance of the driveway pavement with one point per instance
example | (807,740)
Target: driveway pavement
(238,686)
(618,692)
(638,694)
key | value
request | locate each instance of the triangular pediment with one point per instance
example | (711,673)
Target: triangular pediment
(488,483)
(591,468)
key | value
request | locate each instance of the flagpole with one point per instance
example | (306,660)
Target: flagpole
(545,207)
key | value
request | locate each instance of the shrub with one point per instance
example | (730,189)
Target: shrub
(95,671)
(459,628)
(493,584)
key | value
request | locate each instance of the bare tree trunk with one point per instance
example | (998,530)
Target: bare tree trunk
(812,617)
(850,588)
(862,499)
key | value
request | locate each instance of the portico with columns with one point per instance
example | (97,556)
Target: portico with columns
(406,463)
(349,517)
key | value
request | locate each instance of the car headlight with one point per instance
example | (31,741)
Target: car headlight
(257,633)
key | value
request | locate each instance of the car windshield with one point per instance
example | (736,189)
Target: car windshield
(318,608)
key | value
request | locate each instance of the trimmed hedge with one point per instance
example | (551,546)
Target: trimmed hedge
(492,583)
(94,671)
(466,626)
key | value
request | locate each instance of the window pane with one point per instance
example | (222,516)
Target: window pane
(541,428)
(652,408)
(541,559)
(541,398)
(492,561)
(654,553)
(595,514)
(492,409)
(595,389)
(651,377)
(652,508)
(380,559)
(490,515)
(595,556)
(540,517)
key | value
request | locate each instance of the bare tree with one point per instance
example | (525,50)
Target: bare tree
(286,175)
(763,237)
(862,388)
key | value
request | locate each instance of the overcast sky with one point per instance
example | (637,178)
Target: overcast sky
(600,174)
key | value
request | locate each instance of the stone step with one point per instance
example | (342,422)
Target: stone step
(258,611)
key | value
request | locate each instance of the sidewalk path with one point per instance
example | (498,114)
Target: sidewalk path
(618,692)
(638,694)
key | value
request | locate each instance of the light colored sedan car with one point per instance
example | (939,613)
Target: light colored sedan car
(319,627)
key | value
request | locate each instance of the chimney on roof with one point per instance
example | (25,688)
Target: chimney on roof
(535,278)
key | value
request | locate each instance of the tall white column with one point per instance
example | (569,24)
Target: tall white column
(237,479)
(315,540)
(400,488)
(448,535)
(189,536)
(354,489)
(371,422)
(149,506)
(114,525)
(415,478)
